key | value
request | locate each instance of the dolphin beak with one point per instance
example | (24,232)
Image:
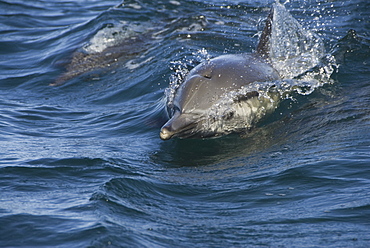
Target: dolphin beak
(177,125)
(165,133)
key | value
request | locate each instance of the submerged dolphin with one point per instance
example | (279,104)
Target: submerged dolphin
(108,46)
(193,109)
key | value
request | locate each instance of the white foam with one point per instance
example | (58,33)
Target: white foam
(112,35)
(133,64)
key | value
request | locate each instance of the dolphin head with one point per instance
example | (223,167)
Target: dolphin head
(190,103)
(199,91)
(204,86)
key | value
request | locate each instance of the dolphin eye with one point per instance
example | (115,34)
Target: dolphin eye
(207,74)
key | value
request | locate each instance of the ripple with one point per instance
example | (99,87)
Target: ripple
(82,165)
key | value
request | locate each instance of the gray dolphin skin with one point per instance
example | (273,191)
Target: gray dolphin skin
(205,85)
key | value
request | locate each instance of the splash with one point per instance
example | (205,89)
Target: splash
(292,50)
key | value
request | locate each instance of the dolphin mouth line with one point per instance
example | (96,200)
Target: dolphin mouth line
(185,132)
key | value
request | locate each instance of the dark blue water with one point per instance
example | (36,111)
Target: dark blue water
(82,164)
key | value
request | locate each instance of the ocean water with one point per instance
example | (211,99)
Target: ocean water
(82,101)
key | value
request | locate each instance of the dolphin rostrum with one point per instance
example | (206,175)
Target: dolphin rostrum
(194,110)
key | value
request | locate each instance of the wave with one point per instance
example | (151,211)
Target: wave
(82,164)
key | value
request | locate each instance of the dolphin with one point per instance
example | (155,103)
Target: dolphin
(108,46)
(193,108)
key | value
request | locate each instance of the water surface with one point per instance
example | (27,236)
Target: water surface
(82,164)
